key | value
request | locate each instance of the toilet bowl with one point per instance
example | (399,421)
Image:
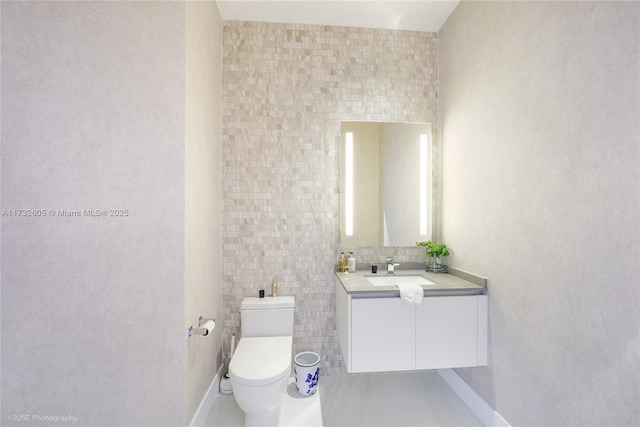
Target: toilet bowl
(259,372)
(261,364)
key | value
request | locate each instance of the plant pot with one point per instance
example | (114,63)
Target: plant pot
(436,265)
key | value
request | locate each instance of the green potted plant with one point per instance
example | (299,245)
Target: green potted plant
(435,252)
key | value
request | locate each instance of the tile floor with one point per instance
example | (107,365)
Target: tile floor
(296,410)
(373,400)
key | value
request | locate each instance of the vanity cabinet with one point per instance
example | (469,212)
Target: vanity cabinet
(382,335)
(387,334)
(451,332)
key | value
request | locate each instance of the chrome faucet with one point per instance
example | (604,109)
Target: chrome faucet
(391,266)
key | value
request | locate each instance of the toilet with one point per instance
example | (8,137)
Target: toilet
(261,364)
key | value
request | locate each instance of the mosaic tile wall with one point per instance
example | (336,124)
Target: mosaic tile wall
(285,90)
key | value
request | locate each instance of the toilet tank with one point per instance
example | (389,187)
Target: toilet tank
(267,317)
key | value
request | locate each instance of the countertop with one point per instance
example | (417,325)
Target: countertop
(456,282)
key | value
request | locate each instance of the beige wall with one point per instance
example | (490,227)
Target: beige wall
(285,90)
(203,240)
(539,107)
(93,117)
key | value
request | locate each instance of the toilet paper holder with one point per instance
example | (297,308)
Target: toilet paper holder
(204,327)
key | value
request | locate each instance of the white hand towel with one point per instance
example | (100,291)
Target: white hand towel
(411,293)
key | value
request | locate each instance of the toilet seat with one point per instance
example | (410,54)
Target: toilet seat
(261,360)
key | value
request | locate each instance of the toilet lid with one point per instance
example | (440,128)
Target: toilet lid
(261,360)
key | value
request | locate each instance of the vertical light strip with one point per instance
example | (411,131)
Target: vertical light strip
(349,184)
(423,184)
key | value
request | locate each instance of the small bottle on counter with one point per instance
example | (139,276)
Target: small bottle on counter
(274,288)
(342,263)
(351,263)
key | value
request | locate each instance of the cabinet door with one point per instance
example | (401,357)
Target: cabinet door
(447,332)
(382,335)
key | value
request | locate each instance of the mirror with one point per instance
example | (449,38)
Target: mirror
(386,183)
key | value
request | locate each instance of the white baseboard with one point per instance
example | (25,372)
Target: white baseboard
(481,409)
(499,421)
(207,402)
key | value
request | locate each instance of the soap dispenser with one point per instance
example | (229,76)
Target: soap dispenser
(351,263)
(274,288)
(342,263)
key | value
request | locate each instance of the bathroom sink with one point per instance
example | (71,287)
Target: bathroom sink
(391,280)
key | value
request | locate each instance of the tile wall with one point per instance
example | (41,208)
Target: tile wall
(286,88)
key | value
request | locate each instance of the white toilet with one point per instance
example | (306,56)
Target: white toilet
(261,364)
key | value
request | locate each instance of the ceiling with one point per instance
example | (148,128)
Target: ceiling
(418,15)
